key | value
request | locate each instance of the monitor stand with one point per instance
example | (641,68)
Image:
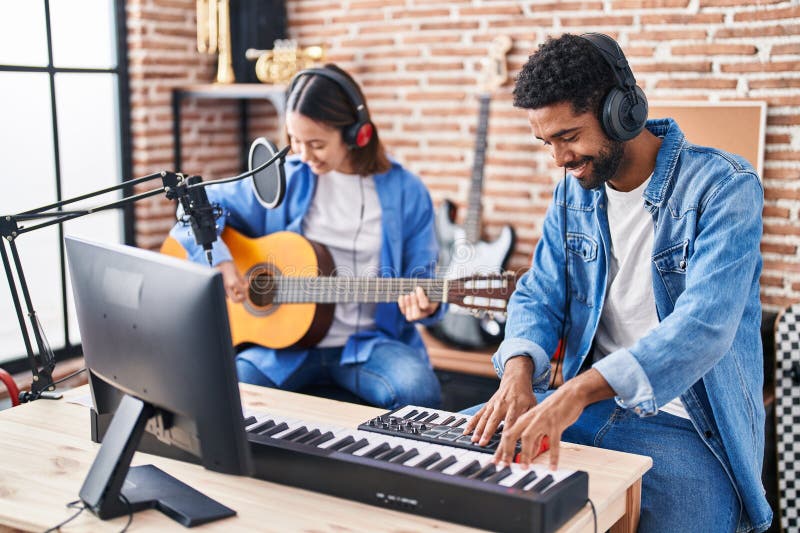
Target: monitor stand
(112,488)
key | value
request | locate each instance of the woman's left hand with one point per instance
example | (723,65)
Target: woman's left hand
(416,305)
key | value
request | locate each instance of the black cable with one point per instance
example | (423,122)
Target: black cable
(70,376)
(594,513)
(130,514)
(562,335)
(70,505)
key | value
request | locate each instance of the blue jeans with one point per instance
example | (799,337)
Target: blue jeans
(393,376)
(687,489)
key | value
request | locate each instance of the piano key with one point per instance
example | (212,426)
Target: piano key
(431,418)
(419,417)
(411,414)
(542,484)
(249,421)
(458,422)
(261,426)
(524,480)
(275,430)
(469,469)
(444,463)
(293,434)
(311,435)
(356,446)
(391,454)
(448,420)
(377,450)
(487,470)
(341,443)
(429,460)
(325,437)
(499,475)
(407,455)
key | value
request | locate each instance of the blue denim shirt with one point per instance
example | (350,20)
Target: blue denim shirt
(409,249)
(706,207)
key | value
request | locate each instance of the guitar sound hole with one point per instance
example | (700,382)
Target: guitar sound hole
(262,289)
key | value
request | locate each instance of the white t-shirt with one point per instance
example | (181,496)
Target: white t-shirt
(629,311)
(345,216)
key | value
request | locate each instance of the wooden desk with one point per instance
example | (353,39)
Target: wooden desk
(45,453)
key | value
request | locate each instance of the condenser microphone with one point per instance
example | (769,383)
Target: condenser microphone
(269,183)
(202,215)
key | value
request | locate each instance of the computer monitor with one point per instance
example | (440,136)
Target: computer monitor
(157,345)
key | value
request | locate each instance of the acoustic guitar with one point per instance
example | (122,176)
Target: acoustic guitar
(462,250)
(293,292)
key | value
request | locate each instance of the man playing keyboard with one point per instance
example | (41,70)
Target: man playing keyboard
(648,269)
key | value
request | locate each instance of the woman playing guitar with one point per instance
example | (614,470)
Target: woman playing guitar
(376,220)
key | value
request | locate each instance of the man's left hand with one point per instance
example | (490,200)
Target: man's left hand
(416,305)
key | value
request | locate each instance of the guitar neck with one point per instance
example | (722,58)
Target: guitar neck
(472,223)
(342,290)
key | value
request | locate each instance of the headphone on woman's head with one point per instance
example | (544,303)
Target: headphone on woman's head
(358,134)
(624,108)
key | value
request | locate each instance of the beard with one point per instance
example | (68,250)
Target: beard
(604,165)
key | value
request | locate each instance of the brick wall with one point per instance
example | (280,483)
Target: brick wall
(419,63)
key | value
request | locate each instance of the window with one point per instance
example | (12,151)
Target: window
(65,132)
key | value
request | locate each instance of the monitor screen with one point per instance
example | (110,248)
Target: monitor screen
(155,333)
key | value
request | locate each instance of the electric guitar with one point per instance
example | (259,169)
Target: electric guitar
(292,293)
(462,250)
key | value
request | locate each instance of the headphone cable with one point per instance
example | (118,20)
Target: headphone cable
(561,353)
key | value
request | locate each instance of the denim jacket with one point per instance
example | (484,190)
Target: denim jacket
(706,207)
(409,249)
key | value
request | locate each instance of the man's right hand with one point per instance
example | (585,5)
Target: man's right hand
(514,397)
(235,284)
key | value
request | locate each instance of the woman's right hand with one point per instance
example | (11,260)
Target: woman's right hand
(514,397)
(234,282)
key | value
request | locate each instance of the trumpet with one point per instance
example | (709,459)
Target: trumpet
(285,60)
(214,35)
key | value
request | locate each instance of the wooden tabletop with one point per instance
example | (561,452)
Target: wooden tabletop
(46,451)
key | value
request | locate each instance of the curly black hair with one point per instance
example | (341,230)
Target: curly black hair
(564,69)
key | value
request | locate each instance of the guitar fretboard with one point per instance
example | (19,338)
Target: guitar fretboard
(325,289)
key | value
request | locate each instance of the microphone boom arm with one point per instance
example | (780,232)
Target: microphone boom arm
(174,185)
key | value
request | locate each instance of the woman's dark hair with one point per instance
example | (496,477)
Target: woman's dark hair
(323,100)
(564,69)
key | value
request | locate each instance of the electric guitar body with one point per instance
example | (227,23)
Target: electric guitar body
(462,251)
(292,292)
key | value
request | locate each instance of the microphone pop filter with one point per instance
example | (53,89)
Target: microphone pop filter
(269,183)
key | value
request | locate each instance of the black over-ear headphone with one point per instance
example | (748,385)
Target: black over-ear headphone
(358,134)
(624,109)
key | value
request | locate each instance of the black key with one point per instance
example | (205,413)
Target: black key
(274,430)
(542,484)
(484,472)
(405,457)
(295,433)
(258,428)
(431,418)
(377,450)
(444,463)
(459,422)
(325,437)
(311,435)
(499,476)
(470,469)
(249,420)
(412,413)
(423,414)
(391,454)
(447,420)
(360,443)
(336,446)
(428,461)
(524,480)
